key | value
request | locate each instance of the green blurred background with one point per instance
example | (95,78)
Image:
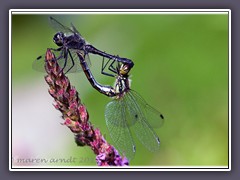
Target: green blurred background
(181,69)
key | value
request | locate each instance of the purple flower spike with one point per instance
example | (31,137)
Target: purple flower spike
(76,117)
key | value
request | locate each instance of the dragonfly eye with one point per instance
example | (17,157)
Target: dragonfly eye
(58,38)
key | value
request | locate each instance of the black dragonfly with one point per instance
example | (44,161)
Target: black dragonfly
(69,42)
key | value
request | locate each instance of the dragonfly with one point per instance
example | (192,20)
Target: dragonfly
(128,113)
(69,42)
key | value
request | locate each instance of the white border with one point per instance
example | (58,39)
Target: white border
(119,11)
(121,168)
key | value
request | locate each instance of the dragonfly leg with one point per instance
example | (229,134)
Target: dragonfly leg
(104,67)
(73,63)
(58,49)
(112,68)
(65,61)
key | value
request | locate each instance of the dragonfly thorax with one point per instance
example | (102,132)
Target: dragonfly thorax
(121,86)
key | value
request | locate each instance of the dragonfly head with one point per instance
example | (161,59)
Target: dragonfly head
(124,69)
(58,38)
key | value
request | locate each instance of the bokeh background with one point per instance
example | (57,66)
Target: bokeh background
(181,69)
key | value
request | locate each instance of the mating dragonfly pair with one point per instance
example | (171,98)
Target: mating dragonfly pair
(127,112)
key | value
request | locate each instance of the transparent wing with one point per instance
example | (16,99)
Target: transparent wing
(57,26)
(153,116)
(75,29)
(38,63)
(70,58)
(73,63)
(115,115)
(139,120)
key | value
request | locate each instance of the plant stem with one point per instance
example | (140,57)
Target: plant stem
(76,117)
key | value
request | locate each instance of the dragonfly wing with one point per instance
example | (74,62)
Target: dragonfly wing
(153,116)
(38,63)
(139,122)
(67,60)
(73,62)
(57,26)
(75,29)
(118,128)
